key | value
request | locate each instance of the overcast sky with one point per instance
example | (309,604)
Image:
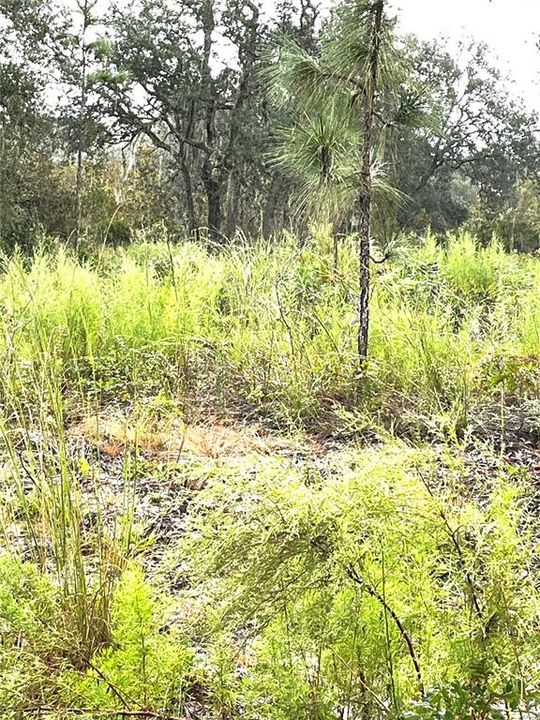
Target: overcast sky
(510,27)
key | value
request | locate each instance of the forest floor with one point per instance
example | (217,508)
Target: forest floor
(168,467)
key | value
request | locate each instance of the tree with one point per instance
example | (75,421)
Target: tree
(74,57)
(480,139)
(45,54)
(26,124)
(373,16)
(162,77)
(348,98)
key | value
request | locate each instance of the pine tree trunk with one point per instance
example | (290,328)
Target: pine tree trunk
(364,202)
(364,230)
(268,221)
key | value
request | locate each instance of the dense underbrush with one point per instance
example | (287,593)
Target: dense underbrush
(362,577)
(366,588)
(269,332)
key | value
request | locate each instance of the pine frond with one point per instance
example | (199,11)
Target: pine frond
(298,75)
(349,41)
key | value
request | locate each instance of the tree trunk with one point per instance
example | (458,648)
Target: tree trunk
(269,217)
(214,212)
(190,203)
(247,52)
(364,202)
(213,199)
(270,208)
(81,129)
(212,184)
(232,205)
(186,173)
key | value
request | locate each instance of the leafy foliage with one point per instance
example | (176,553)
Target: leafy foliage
(367,592)
(144,666)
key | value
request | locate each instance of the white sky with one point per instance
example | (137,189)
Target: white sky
(509,27)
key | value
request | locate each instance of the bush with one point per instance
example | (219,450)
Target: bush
(117,233)
(145,666)
(367,594)
(518,226)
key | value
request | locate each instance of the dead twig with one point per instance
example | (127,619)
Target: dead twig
(354,575)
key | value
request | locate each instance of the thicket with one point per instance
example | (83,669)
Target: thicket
(369,590)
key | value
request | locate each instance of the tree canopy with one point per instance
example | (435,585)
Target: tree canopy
(237,122)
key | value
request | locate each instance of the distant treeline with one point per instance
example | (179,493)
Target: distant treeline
(176,118)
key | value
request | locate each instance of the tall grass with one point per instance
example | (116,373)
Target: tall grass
(264,332)
(270,330)
(43,516)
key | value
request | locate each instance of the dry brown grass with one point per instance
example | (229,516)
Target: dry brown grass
(113,435)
